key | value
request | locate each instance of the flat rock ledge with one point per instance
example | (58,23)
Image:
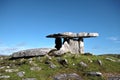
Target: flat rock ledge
(72,76)
(73,35)
(30,53)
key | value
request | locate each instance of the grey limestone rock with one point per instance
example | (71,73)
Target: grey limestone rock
(94,73)
(72,76)
(11,70)
(21,74)
(31,52)
(99,62)
(35,68)
(29,79)
(83,64)
(109,59)
(4,77)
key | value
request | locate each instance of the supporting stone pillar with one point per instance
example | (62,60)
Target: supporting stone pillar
(58,43)
(81,45)
(74,46)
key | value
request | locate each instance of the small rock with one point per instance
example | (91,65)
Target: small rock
(52,65)
(11,70)
(21,74)
(29,79)
(4,77)
(110,59)
(35,68)
(113,78)
(94,73)
(83,64)
(2,67)
(63,62)
(73,64)
(7,67)
(99,62)
(1,58)
(90,60)
(118,60)
(72,76)
(32,63)
(48,57)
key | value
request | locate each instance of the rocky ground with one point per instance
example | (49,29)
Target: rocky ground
(65,67)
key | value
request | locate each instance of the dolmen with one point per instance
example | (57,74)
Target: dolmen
(71,42)
(64,42)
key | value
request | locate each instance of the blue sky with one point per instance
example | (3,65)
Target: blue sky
(25,23)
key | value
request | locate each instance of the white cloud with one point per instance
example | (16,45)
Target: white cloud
(115,39)
(7,50)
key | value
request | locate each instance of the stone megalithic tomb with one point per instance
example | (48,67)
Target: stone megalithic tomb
(71,42)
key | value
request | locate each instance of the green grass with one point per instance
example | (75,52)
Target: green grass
(47,73)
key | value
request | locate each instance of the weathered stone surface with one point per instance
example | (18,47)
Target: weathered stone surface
(21,74)
(35,68)
(31,52)
(99,62)
(52,65)
(62,35)
(109,59)
(72,76)
(29,79)
(56,52)
(94,73)
(65,47)
(83,64)
(11,70)
(63,62)
(73,35)
(113,78)
(87,35)
(4,77)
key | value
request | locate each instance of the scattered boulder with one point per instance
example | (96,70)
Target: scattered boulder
(90,60)
(83,64)
(52,65)
(30,53)
(94,73)
(99,62)
(113,78)
(4,77)
(2,67)
(48,57)
(29,79)
(11,70)
(35,68)
(72,76)
(32,63)
(110,59)
(63,62)
(21,74)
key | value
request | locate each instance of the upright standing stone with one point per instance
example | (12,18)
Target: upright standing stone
(74,46)
(58,43)
(81,45)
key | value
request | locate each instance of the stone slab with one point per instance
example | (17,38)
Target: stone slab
(72,35)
